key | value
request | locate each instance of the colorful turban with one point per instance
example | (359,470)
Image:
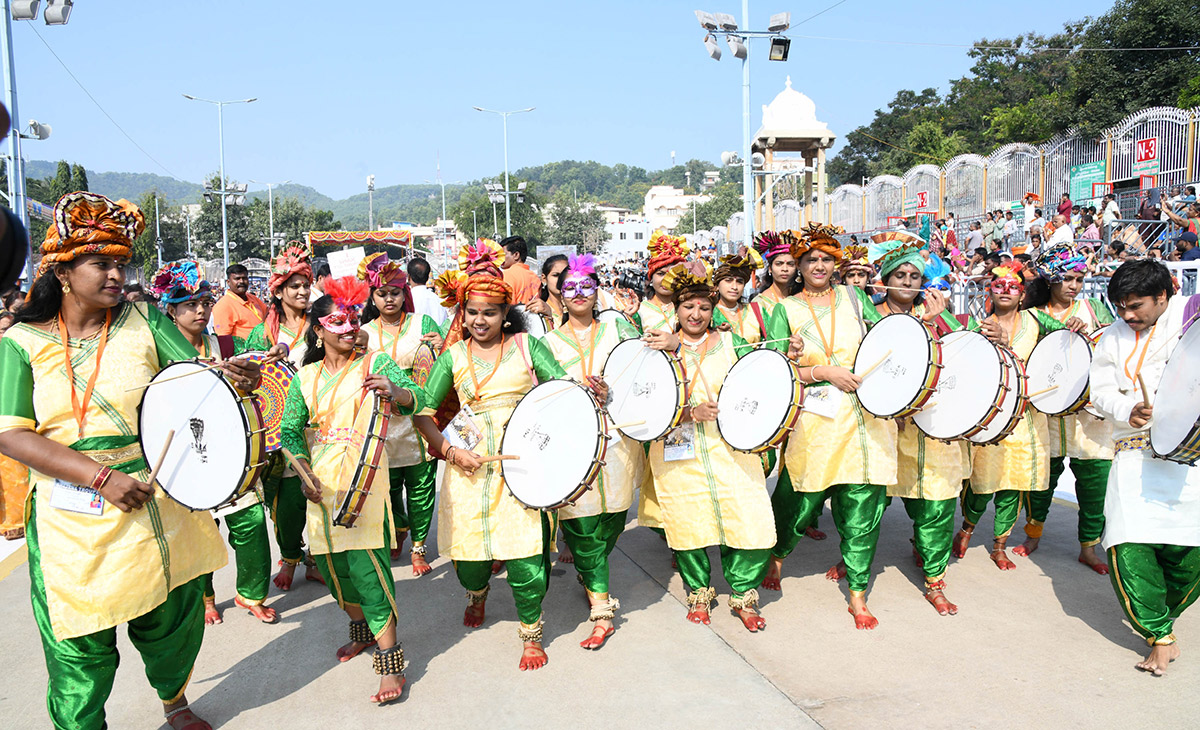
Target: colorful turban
(856,258)
(480,262)
(891,249)
(447,284)
(87,223)
(743,264)
(348,295)
(378,270)
(179,281)
(769,244)
(815,237)
(688,278)
(1057,261)
(665,250)
(291,261)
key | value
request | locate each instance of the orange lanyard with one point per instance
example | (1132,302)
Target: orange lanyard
(317,415)
(495,366)
(827,344)
(691,383)
(81,409)
(1067,313)
(593,332)
(1137,336)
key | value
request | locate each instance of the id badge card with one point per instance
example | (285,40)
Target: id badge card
(823,400)
(681,443)
(463,432)
(74,498)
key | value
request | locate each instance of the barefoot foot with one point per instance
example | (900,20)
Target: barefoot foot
(813,533)
(600,633)
(934,593)
(283,579)
(211,614)
(534,656)
(420,566)
(1000,558)
(1027,548)
(863,619)
(391,686)
(312,574)
(699,615)
(258,611)
(751,619)
(772,581)
(565,555)
(354,648)
(398,550)
(1087,556)
(474,615)
(1160,657)
(837,572)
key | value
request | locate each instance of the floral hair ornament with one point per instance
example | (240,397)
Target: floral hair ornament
(770,244)
(855,258)
(480,262)
(815,237)
(88,223)
(294,259)
(379,271)
(665,250)
(889,250)
(689,278)
(1057,261)
(180,281)
(348,295)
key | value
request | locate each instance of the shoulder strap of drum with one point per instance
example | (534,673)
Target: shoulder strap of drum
(862,326)
(225,346)
(756,307)
(522,341)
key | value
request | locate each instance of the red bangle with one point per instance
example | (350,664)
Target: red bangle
(101,478)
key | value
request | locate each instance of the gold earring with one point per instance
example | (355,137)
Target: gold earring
(66,287)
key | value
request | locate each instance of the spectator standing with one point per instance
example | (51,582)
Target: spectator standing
(424,300)
(1064,206)
(1010,229)
(974,236)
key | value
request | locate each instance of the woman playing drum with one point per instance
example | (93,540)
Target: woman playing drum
(839,450)
(929,473)
(1019,462)
(478,518)
(1085,439)
(392,327)
(593,523)
(189,303)
(321,428)
(105,548)
(286,324)
(730,279)
(710,494)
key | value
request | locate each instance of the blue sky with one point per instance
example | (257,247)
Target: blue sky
(382,86)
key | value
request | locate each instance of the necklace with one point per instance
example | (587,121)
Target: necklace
(815,294)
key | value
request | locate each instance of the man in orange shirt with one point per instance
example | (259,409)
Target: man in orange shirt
(238,311)
(526,284)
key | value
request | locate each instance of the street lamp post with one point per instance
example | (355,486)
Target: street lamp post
(370,202)
(187,221)
(271,208)
(157,232)
(221,145)
(507,192)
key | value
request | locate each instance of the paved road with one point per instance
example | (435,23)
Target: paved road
(1042,646)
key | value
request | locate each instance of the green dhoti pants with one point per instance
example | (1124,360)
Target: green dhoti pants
(1091,483)
(857,511)
(288,511)
(82,669)
(744,569)
(362,578)
(1008,504)
(1154,584)
(418,482)
(528,577)
(251,553)
(933,533)
(592,540)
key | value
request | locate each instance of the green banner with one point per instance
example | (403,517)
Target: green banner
(1083,177)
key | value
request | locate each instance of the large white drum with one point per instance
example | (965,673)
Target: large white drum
(969,390)
(904,360)
(1175,428)
(535,324)
(1012,405)
(1058,371)
(647,390)
(219,447)
(611,316)
(759,401)
(557,431)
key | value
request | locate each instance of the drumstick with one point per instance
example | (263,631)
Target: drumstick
(214,366)
(295,464)
(1145,393)
(629,364)
(161,458)
(631,424)
(1043,390)
(499,457)
(877,364)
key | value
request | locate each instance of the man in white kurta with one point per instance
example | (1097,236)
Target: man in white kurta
(1152,506)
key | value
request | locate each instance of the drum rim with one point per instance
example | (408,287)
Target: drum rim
(247,465)
(925,392)
(597,458)
(1021,387)
(1192,432)
(791,414)
(677,369)
(993,410)
(1085,397)
(378,412)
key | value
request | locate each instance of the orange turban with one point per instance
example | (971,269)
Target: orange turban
(88,223)
(815,237)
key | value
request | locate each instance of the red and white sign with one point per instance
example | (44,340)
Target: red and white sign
(922,200)
(1145,156)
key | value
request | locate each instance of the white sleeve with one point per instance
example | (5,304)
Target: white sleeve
(1105,392)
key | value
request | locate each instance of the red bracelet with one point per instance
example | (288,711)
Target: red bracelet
(101,478)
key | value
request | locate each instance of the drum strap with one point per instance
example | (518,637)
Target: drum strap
(225,346)
(862,327)
(521,341)
(757,309)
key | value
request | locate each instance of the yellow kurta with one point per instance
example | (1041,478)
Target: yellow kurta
(853,447)
(744,322)
(1080,435)
(718,497)
(927,468)
(656,318)
(103,570)
(478,518)
(1021,461)
(405,447)
(653,318)
(625,458)
(339,416)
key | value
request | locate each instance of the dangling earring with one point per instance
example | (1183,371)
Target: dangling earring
(506,325)
(66,287)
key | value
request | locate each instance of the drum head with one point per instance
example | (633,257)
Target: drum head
(611,316)
(557,432)
(272,394)
(1008,406)
(210,452)
(751,406)
(1095,338)
(966,389)
(644,387)
(896,382)
(1175,414)
(1061,360)
(535,324)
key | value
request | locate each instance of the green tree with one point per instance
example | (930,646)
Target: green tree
(725,201)
(79,179)
(171,225)
(575,223)
(526,217)
(60,184)
(207,234)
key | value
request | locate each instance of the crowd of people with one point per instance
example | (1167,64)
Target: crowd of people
(447,353)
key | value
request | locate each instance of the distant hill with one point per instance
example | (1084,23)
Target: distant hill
(128,185)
